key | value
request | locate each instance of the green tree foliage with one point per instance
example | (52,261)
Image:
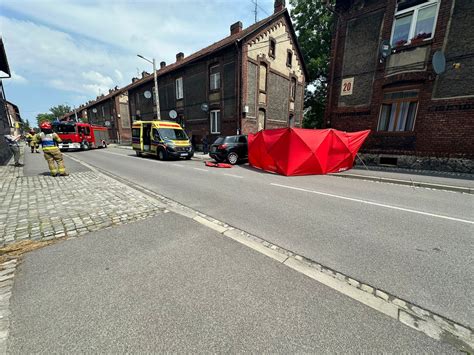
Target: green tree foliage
(54,112)
(313,24)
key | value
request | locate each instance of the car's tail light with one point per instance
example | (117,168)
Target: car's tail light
(222,146)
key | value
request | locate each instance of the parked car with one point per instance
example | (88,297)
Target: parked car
(229,148)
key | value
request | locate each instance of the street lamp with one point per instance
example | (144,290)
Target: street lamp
(157,100)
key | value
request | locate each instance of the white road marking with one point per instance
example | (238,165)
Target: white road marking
(178,165)
(235,176)
(375,204)
(201,169)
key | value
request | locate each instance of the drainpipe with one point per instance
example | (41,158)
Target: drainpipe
(239,74)
(330,83)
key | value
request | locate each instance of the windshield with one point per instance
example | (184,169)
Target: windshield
(64,128)
(173,134)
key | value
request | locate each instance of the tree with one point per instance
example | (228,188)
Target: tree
(54,112)
(313,24)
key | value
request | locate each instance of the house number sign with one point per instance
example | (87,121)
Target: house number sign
(347,86)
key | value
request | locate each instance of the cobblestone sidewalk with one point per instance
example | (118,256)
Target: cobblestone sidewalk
(44,207)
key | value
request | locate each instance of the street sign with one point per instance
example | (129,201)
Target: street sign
(147,94)
(107,123)
(205,107)
(173,114)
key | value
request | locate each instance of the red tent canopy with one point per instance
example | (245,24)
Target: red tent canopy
(298,151)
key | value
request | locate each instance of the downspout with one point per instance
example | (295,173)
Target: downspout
(239,73)
(327,121)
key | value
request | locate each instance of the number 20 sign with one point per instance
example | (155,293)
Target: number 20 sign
(347,86)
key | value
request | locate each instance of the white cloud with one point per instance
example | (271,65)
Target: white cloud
(86,47)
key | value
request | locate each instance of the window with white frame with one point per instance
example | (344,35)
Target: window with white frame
(214,78)
(179,88)
(415,21)
(215,121)
(398,111)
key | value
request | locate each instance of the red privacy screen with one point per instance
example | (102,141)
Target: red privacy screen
(298,151)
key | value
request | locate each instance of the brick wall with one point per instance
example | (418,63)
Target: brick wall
(443,126)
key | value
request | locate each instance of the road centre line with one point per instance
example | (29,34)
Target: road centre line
(375,204)
(235,176)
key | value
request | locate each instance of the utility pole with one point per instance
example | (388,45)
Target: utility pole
(157,98)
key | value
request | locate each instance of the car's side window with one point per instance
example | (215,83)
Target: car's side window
(242,139)
(156,135)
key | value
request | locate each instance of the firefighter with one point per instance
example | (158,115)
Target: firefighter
(52,154)
(31,142)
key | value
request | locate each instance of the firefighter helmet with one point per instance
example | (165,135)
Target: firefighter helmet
(46,125)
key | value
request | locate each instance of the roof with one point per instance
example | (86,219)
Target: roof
(4,61)
(223,43)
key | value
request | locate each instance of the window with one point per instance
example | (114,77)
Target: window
(261,119)
(136,132)
(214,78)
(216,121)
(242,139)
(398,111)
(414,21)
(289,59)
(272,48)
(293,89)
(262,82)
(179,88)
(173,134)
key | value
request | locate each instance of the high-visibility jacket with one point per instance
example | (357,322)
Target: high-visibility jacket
(47,140)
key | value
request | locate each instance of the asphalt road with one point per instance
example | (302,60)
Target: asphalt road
(169,284)
(415,243)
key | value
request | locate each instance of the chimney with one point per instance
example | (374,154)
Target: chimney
(235,28)
(144,74)
(279,5)
(111,91)
(162,65)
(179,56)
(134,79)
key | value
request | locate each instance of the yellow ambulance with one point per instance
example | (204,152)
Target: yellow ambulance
(162,139)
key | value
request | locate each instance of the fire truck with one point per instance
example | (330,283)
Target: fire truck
(83,136)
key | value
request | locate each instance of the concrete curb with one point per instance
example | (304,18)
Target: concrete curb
(461,189)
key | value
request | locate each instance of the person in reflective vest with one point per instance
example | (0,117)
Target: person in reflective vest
(52,154)
(31,142)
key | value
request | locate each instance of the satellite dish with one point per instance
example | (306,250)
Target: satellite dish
(205,107)
(147,94)
(385,49)
(173,114)
(94,110)
(439,62)
(107,123)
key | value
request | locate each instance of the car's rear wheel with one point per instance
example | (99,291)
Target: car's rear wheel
(232,158)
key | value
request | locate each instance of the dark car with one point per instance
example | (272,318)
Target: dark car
(229,148)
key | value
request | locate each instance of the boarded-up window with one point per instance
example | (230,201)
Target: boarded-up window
(262,81)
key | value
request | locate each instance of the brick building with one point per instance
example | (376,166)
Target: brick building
(252,79)
(109,110)
(5,126)
(420,119)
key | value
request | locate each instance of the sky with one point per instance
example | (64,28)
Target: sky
(71,51)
